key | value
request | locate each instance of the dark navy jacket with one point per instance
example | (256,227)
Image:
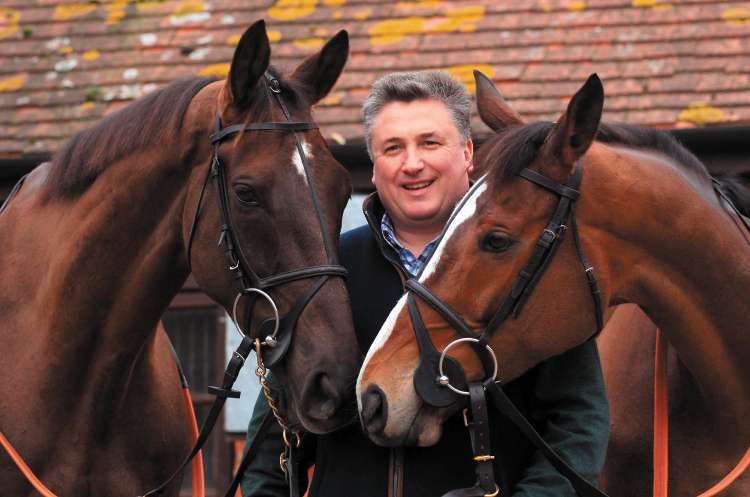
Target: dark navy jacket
(564,398)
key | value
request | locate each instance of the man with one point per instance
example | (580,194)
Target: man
(417,134)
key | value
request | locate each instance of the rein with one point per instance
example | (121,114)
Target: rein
(436,370)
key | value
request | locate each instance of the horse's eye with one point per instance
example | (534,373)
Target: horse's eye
(496,241)
(246,195)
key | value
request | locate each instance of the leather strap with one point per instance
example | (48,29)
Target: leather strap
(24,468)
(479,431)
(272,126)
(505,406)
(661,417)
(569,192)
(230,376)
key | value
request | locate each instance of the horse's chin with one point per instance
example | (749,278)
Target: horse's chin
(424,430)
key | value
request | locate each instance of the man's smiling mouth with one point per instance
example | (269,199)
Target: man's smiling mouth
(419,186)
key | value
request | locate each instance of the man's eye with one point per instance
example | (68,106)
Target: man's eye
(391,149)
(431,143)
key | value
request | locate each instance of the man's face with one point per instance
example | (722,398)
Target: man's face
(420,164)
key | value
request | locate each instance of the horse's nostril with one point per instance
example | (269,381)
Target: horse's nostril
(322,400)
(374,410)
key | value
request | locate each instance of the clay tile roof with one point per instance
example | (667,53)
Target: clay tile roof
(66,63)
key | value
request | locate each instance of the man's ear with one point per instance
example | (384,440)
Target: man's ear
(469,155)
(577,127)
(319,72)
(250,61)
(493,109)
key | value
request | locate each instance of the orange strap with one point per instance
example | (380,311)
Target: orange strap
(729,479)
(661,430)
(196,466)
(27,472)
(661,417)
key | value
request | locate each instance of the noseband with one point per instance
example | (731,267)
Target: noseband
(440,381)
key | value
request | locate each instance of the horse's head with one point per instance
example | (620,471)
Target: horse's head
(267,189)
(475,268)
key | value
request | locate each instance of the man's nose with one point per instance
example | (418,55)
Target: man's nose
(413,162)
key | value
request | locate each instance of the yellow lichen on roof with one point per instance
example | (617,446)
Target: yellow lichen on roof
(146,6)
(185,8)
(65,12)
(116,11)
(461,19)
(8,22)
(736,17)
(308,43)
(701,114)
(361,15)
(465,74)
(651,4)
(418,4)
(577,6)
(394,30)
(332,99)
(91,55)
(334,3)
(290,10)
(215,71)
(274,36)
(13,83)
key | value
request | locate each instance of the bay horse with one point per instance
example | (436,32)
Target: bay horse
(654,233)
(97,242)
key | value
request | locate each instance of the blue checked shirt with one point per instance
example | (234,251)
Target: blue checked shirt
(411,263)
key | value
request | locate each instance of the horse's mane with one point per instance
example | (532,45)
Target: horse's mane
(517,147)
(143,123)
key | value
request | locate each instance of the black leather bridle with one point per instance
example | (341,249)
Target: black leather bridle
(440,381)
(275,334)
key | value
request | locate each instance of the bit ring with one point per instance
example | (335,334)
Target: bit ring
(270,301)
(445,381)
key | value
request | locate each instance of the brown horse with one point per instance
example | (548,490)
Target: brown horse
(650,223)
(96,243)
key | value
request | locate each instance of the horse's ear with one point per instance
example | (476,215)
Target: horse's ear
(319,72)
(251,58)
(493,109)
(577,127)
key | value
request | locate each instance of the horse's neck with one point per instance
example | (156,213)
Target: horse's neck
(687,265)
(105,266)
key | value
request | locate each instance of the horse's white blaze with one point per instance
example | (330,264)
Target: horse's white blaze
(297,160)
(377,344)
(466,211)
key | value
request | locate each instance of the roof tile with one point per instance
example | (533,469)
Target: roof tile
(66,63)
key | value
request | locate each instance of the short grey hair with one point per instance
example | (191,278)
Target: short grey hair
(411,86)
